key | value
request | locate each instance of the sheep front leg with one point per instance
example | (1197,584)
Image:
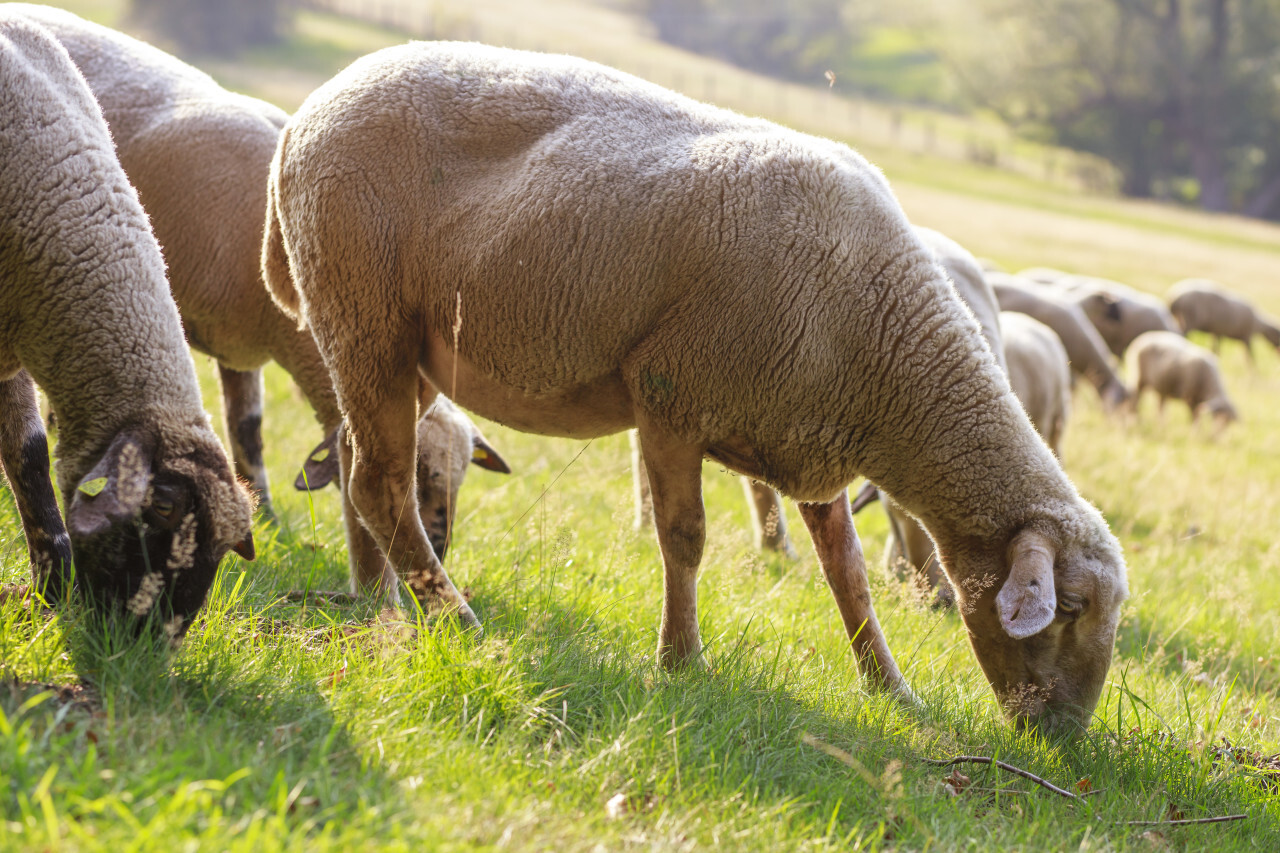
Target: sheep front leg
(24,458)
(840,555)
(383,437)
(242,393)
(675,480)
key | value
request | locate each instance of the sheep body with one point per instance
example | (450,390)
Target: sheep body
(1174,367)
(198,156)
(1200,305)
(585,225)
(1087,351)
(152,504)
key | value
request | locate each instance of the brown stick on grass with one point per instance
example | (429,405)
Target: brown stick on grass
(1008,768)
(1187,821)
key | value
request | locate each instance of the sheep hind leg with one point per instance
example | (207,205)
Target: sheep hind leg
(640,481)
(845,568)
(242,393)
(381,418)
(767,518)
(371,572)
(675,480)
(24,458)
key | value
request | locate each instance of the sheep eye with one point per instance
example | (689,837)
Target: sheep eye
(1069,608)
(162,507)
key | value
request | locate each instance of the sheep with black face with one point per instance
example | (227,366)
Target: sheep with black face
(152,505)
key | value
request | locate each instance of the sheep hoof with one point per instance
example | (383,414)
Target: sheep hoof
(689,661)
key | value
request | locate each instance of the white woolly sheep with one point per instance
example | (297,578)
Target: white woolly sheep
(1200,305)
(1174,367)
(624,256)
(198,156)
(151,502)
(1086,349)
(1117,311)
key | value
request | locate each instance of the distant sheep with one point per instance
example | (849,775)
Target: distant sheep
(1117,311)
(624,256)
(151,502)
(1086,349)
(1173,367)
(1200,305)
(198,156)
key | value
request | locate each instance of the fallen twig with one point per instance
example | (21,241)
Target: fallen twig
(1008,768)
(1187,821)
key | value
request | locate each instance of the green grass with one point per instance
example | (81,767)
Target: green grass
(279,727)
(276,726)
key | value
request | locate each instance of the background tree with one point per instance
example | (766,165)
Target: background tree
(213,26)
(1183,96)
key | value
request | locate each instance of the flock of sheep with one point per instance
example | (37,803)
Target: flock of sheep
(568,250)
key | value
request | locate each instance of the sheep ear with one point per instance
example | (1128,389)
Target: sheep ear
(321,467)
(114,491)
(485,456)
(866,496)
(245,547)
(1027,600)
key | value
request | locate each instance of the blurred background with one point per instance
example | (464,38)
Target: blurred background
(1176,100)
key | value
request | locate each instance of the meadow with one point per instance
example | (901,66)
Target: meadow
(284,726)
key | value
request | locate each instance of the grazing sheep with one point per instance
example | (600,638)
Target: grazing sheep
(1172,366)
(1039,373)
(624,256)
(1117,311)
(1086,349)
(198,156)
(1200,305)
(151,502)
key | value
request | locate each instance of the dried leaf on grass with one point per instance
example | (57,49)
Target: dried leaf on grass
(622,805)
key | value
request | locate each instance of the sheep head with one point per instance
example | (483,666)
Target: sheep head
(447,442)
(149,525)
(1042,621)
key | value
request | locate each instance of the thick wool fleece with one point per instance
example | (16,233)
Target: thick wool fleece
(85,307)
(618,254)
(198,156)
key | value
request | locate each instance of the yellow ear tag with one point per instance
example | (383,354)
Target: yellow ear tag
(479,454)
(93,487)
(320,455)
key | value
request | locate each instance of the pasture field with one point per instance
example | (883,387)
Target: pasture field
(279,726)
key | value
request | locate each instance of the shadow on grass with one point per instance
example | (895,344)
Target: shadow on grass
(178,745)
